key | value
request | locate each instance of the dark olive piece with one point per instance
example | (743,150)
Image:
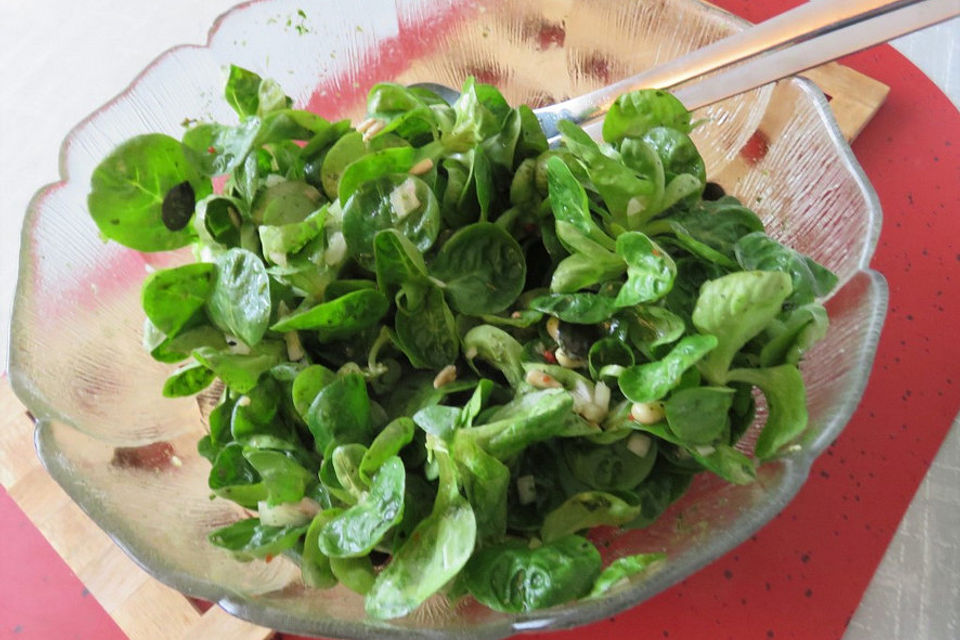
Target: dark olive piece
(713,191)
(178,206)
(576,339)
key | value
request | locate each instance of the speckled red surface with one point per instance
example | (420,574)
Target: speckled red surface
(803,575)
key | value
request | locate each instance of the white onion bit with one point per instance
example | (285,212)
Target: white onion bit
(639,444)
(527,489)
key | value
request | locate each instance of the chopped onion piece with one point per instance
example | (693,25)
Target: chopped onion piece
(404,199)
(527,489)
(639,444)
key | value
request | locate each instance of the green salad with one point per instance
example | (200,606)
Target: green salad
(447,351)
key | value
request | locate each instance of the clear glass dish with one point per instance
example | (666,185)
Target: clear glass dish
(128,456)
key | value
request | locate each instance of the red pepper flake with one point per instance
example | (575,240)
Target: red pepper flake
(549,356)
(268,558)
(211,149)
(530,227)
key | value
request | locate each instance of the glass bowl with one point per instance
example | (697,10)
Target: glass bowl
(128,456)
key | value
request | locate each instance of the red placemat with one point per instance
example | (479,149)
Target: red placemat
(803,575)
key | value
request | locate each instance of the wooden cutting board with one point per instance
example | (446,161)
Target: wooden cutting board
(144,608)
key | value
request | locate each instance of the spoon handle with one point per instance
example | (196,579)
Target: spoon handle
(806,55)
(793,37)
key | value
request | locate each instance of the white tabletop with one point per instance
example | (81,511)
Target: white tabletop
(60,60)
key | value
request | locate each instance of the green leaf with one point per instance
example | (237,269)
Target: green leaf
(340,413)
(809,279)
(399,263)
(728,463)
(500,149)
(354,532)
(621,570)
(345,460)
(179,347)
(284,479)
(581,270)
(786,403)
(344,151)
(608,351)
(650,270)
(693,246)
(242,91)
(427,332)
(248,539)
(569,203)
(171,297)
(586,510)
(612,467)
(253,419)
(656,493)
(241,371)
(486,481)
(405,111)
(498,348)
(469,188)
(307,385)
(340,317)
(432,555)
(128,189)
(678,154)
(631,198)
(635,113)
(535,418)
(188,380)
(651,326)
(790,338)
(576,308)
(240,301)
(718,224)
(356,574)
(473,120)
(233,478)
(285,203)
(391,439)
(392,201)
(699,415)
(218,221)
(314,566)
(280,241)
(735,308)
(438,420)
(512,578)
(482,267)
(374,165)
(473,406)
(651,381)
(520,319)
(532,141)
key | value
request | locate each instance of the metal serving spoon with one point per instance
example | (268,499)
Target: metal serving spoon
(792,42)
